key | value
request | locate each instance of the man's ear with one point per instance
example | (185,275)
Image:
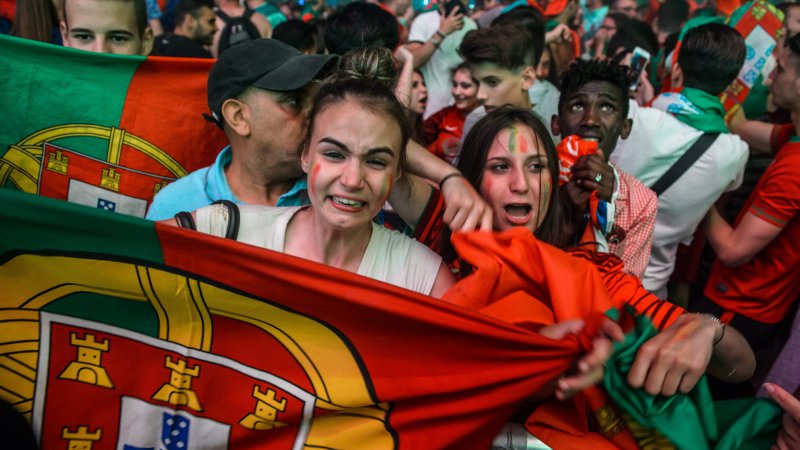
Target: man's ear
(555,125)
(147,41)
(189,25)
(528,77)
(625,131)
(235,113)
(676,76)
(305,164)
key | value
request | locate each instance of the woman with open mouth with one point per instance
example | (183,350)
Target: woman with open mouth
(352,154)
(510,158)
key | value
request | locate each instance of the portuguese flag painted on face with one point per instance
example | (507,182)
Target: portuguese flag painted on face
(106,131)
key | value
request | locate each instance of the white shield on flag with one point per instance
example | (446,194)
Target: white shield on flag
(146,426)
(97,197)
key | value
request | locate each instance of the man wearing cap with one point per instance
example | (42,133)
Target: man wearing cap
(258,93)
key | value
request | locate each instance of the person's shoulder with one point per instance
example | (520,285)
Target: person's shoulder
(179,46)
(733,146)
(268,211)
(426,19)
(262,216)
(423,27)
(469,24)
(654,117)
(183,194)
(427,16)
(476,114)
(789,150)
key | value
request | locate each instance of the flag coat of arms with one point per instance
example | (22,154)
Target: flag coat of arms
(106,131)
(119,333)
(761,25)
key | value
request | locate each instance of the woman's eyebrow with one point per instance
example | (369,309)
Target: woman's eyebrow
(376,150)
(333,141)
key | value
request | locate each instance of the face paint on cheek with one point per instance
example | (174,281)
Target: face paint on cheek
(313,179)
(544,198)
(386,188)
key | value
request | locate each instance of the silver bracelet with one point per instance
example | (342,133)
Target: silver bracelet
(719,322)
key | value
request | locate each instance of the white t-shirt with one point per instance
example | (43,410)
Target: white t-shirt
(438,71)
(544,97)
(656,142)
(390,256)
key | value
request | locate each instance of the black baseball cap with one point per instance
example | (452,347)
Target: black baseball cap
(263,63)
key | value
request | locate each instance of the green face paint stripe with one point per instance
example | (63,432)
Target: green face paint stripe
(512,140)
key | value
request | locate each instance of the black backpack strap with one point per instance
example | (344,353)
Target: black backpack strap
(684,162)
(248,13)
(225,18)
(232,230)
(185,220)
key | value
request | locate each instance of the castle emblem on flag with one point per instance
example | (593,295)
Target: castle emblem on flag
(86,368)
(179,389)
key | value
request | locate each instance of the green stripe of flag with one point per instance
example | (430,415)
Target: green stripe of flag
(44,85)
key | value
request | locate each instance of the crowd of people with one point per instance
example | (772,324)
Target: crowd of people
(363,135)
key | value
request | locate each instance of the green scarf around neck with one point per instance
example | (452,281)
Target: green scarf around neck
(698,109)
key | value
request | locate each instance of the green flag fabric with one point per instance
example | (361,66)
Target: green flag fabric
(690,421)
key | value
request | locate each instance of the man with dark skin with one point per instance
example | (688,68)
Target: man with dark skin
(594,106)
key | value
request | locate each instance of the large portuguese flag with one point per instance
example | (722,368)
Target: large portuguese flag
(127,334)
(106,131)
(120,333)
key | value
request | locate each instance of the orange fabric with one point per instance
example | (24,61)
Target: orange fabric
(513,264)
(521,280)
(570,150)
(554,7)
(576,43)
(727,7)
(627,289)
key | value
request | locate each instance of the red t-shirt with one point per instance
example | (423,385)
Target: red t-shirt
(781,134)
(765,288)
(443,129)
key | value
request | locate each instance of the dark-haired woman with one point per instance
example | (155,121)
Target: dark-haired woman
(510,159)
